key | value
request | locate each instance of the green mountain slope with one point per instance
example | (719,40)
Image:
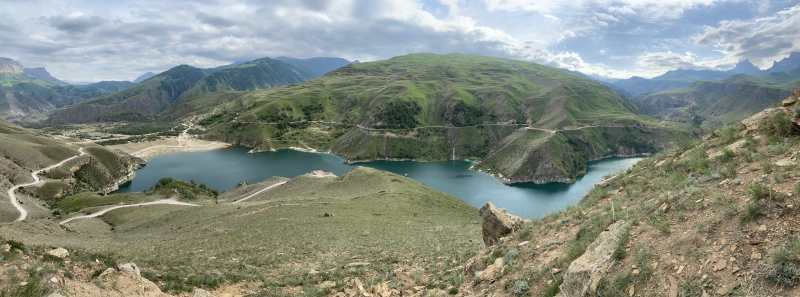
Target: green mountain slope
(23,95)
(425,106)
(143,100)
(721,102)
(258,74)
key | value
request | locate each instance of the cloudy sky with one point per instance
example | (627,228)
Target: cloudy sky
(85,40)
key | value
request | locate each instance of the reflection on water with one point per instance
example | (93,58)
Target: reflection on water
(223,169)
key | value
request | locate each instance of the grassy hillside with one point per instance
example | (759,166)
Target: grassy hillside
(258,74)
(712,104)
(23,151)
(422,106)
(142,101)
(280,239)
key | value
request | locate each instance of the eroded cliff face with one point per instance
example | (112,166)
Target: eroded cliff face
(10,66)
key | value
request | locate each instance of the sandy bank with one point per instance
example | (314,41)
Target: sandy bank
(147,150)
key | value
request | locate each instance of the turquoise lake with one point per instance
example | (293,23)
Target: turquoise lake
(222,169)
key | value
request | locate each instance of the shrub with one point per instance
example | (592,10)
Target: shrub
(759,191)
(779,125)
(783,271)
(510,257)
(521,287)
(752,212)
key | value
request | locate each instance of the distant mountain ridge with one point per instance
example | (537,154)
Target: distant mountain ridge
(41,73)
(10,66)
(715,103)
(319,65)
(146,100)
(675,79)
(258,74)
(144,77)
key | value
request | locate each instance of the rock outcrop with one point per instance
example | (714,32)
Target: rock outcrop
(584,274)
(497,223)
(10,66)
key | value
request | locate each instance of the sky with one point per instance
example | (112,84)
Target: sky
(89,41)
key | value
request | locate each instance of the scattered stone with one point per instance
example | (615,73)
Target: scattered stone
(107,272)
(201,293)
(664,207)
(755,256)
(721,264)
(54,295)
(705,294)
(328,214)
(497,223)
(762,228)
(326,285)
(555,270)
(635,272)
(55,280)
(733,248)
(524,243)
(673,287)
(356,264)
(584,274)
(59,252)
(788,102)
(728,289)
(680,269)
(397,271)
(492,271)
(735,269)
(631,290)
(418,288)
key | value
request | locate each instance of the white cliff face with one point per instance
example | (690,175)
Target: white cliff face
(10,66)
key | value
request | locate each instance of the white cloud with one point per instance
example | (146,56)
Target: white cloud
(761,40)
(652,9)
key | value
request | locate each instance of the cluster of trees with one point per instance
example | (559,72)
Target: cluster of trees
(464,115)
(189,190)
(400,115)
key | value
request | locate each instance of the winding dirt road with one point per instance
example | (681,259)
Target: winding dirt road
(105,210)
(258,192)
(11,196)
(165,201)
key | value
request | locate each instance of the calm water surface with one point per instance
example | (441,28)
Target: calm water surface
(223,169)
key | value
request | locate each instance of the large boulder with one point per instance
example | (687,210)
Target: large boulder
(497,223)
(584,274)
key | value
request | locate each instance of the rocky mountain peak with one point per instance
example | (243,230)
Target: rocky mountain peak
(10,66)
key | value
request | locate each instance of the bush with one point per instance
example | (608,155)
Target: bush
(779,125)
(783,271)
(521,287)
(759,191)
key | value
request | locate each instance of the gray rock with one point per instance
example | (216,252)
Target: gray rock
(497,223)
(59,252)
(584,274)
(132,269)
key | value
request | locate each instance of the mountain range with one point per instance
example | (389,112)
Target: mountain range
(675,79)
